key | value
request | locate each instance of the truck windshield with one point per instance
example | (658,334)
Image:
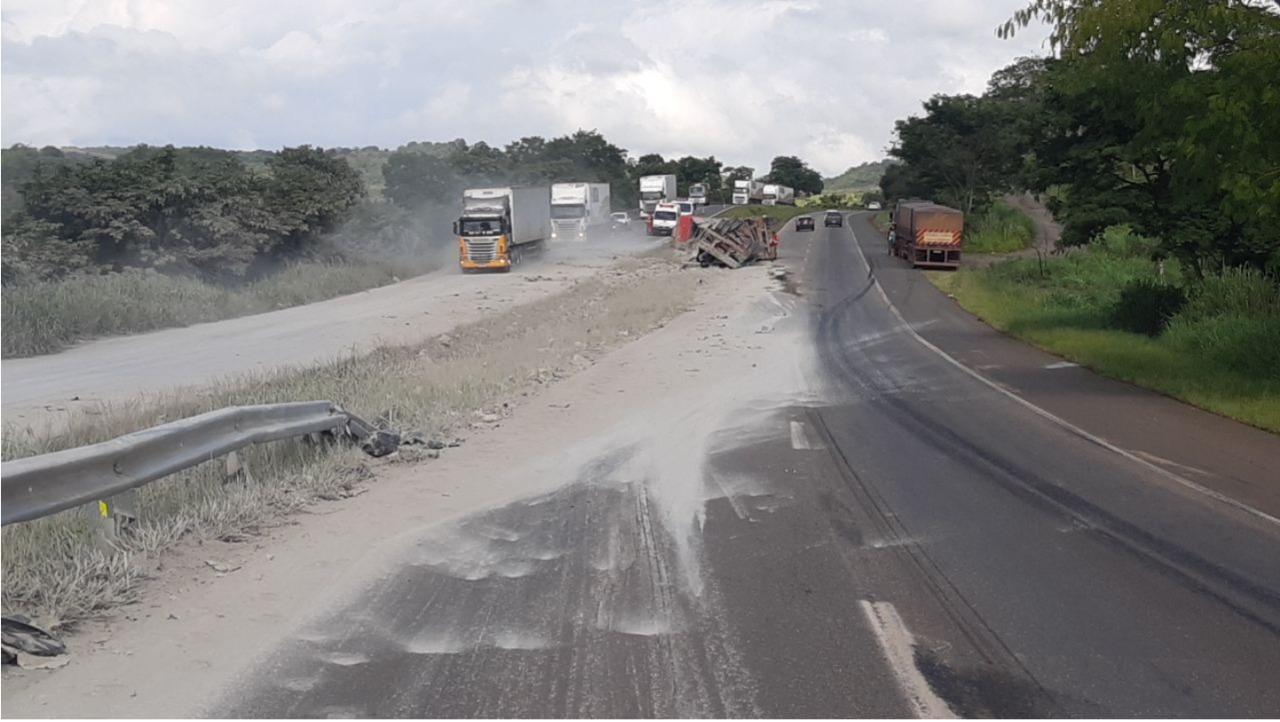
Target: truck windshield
(651,195)
(481,227)
(575,211)
(664,216)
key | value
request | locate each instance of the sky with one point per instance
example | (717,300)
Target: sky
(743,80)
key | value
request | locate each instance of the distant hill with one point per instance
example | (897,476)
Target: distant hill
(858,178)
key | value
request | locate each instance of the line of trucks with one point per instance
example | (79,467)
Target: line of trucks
(498,226)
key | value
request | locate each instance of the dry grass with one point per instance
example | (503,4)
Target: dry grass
(54,573)
(48,317)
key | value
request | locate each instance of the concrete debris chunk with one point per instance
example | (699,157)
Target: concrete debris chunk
(221,567)
(381,443)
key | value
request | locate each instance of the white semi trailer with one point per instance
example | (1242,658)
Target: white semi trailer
(747,191)
(499,225)
(698,194)
(776,194)
(655,189)
(578,208)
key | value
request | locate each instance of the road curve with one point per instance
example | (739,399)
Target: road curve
(904,540)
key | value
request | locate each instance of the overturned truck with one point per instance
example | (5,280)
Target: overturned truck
(732,242)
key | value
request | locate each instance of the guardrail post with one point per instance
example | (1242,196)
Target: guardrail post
(109,517)
(237,470)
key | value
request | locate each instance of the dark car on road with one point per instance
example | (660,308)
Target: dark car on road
(833,218)
(804,223)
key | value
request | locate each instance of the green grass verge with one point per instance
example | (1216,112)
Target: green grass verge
(48,317)
(1001,229)
(779,214)
(1219,356)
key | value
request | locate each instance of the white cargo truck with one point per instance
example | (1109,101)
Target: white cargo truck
(578,208)
(776,194)
(747,191)
(698,194)
(655,189)
(499,225)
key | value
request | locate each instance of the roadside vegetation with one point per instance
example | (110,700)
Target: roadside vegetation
(1168,270)
(1000,229)
(48,317)
(54,573)
(1213,342)
(778,214)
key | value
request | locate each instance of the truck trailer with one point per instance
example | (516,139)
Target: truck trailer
(655,189)
(698,194)
(747,191)
(577,209)
(927,234)
(499,225)
(775,194)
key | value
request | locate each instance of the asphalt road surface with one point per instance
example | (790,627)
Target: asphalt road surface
(916,542)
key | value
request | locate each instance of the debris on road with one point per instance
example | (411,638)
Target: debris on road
(732,242)
(20,641)
(221,567)
(381,443)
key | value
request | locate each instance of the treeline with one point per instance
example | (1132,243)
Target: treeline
(234,216)
(1161,116)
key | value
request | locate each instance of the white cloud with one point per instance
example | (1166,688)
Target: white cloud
(741,79)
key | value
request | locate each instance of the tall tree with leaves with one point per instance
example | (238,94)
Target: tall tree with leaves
(1177,100)
(788,170)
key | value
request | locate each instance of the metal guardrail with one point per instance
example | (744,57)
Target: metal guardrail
(42,485)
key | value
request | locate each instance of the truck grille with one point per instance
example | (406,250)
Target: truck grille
(482,250)
(565,229)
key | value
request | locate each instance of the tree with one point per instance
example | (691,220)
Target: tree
(1166,113)
(690,169)
(415,179)
(788,170)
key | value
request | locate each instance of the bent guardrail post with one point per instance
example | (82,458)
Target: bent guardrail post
(42,485)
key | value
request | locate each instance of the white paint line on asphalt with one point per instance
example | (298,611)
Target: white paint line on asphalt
(1061,365)
(1237,505)
(798,439)
(898,647)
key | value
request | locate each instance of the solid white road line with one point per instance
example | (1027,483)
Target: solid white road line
(898,647)
(798,439)
(1238,505)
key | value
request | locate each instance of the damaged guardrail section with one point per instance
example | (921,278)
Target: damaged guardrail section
(38,486)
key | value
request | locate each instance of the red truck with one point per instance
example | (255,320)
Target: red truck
(927,234)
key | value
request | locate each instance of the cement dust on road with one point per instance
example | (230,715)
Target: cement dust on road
(620,445)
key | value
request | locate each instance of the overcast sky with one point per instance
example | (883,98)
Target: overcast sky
(743,80)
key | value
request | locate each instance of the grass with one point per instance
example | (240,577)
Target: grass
(1220,353)
(779,214)
(881,221)
(54,573)
(1000,229)
(49,317)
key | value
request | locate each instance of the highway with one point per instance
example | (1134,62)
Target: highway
(898,535)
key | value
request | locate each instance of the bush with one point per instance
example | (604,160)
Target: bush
(1248,345)
(1121,242)
(1146,306)
(1001,229)
(1244,291)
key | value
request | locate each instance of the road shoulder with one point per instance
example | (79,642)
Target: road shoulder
(1225,456)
